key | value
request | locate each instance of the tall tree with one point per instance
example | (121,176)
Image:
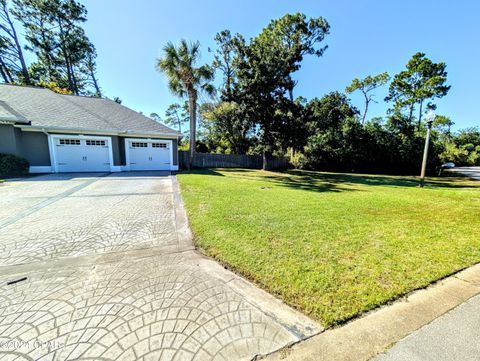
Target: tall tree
(444,124)
(64,53)
(366,86)
(186,79)
(90,68)
(293,36)
(11,53)
(422,80)
(176,115)
(264,87)
(224,60)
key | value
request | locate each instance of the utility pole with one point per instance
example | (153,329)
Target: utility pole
(429,118)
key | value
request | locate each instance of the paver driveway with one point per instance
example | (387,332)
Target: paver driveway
(111,274)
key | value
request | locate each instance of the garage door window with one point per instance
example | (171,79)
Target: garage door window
(159,145)
(139,145)
(69,141)
(100,143)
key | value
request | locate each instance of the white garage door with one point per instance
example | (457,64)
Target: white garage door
(82,155)
(148,155)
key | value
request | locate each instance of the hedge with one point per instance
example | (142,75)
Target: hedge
(13,166)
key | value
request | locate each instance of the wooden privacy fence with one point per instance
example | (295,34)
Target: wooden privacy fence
(208,160)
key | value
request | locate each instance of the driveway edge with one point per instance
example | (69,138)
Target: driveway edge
(184,234)
(367,336)
(296,323)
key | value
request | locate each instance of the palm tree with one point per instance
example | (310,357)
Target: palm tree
(185,79)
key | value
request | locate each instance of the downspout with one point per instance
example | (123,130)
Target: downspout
(50,151)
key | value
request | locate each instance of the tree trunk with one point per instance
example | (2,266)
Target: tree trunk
(18,47)
(74,79)
(66,57)
(410,117)
(192,107)
(95,84)
(5,73)
(366,109)
(4,76)
(420,115)
(265,160)
(69,71)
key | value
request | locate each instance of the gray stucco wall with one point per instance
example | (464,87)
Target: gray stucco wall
(34,147)
(117,151)
(8,142)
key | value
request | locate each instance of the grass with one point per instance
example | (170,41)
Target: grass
(334,245)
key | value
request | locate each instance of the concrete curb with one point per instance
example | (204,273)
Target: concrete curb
(365,337)
(297,324)
(184,234)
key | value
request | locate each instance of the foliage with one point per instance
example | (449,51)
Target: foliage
(53,32)
(225,60)
(227,130)
(264,84)
(177,115)
(258,113)
(366,86)
(334,245)
(421,81)
(298,160)
(337,141)
(54,87)
(463,148)
(13,166)
(185,79)
(444,125)
(13,67)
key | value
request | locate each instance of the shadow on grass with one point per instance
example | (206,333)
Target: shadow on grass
(336,182)
(383,180)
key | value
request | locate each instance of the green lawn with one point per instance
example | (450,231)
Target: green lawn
(334,245)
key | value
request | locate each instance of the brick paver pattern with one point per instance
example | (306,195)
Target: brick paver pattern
(90,291)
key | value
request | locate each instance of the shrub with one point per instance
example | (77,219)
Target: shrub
(13,166)
(298,160)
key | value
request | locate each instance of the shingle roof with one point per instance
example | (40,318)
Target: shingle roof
(44,108)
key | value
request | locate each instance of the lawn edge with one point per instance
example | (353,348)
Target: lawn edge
(295,322)
(366,336)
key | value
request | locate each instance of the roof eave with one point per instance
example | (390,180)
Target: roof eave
(13,120)
(96,131)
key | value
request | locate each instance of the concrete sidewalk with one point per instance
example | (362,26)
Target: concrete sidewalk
(454,336)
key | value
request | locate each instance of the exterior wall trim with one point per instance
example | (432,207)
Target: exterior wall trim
(29,128)
(40,169)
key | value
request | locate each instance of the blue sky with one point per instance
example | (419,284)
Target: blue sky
(367,37)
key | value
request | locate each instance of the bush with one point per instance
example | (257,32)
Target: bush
(13,166)
(298,160)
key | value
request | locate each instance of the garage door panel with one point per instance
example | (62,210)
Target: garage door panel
(148,155)
(97,156)
(82,155)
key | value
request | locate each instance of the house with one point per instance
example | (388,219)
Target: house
(68,133)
